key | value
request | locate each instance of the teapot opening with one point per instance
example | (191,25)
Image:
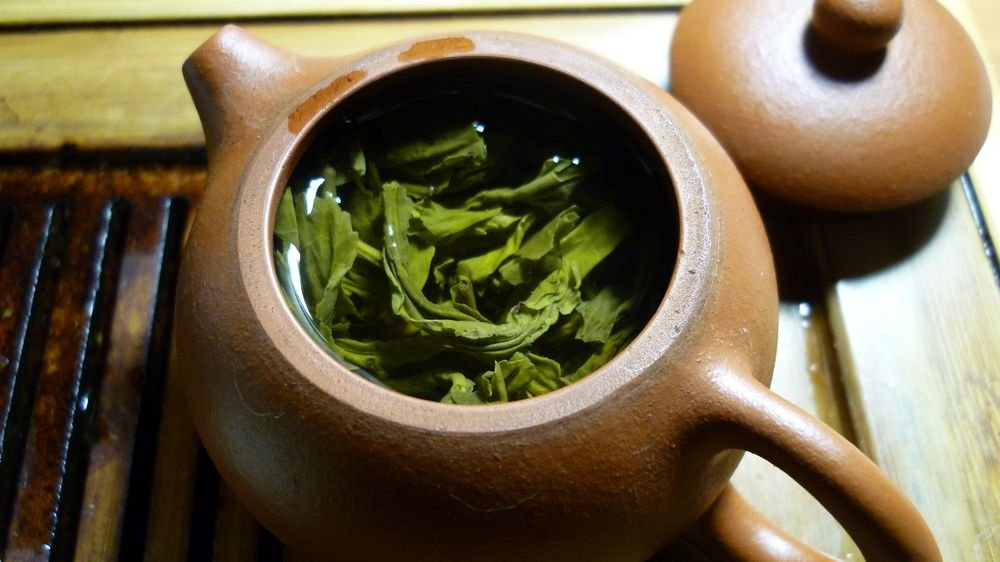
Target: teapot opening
(475,230)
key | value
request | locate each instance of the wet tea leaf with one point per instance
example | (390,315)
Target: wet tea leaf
(600,314)
(431,267)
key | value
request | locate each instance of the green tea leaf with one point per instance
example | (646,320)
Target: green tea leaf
(495,224)
(346,165)
(522,267)
(555,292)
(421,255)
(435,160)
(366,212)
(443,273)
(605,353)
(286,227)
(433,222)
(593,240)
(332,228)
(462,292)
(553,185)
(547,239)
(480,267)
(379,357)
(457,389)
(521,376)
(471,331)
(366,252)
(601,313)
(408,299)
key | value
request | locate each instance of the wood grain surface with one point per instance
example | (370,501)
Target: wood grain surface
(26,12)
(114,87)
(889,324)
(981,19)
(917,328)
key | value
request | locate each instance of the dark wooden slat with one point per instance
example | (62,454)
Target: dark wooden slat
(79,432)
(72,355)
(19,268)
(163,466)
(237,533)
(5,220)
(75,180)
(113,433)
(204,510)
(167,537)
(26,283)
(269,548)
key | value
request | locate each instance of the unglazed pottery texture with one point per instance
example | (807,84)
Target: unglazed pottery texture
(609,468)
(843,105)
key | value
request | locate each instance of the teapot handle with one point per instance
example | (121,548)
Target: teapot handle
(745,414)
(733,530)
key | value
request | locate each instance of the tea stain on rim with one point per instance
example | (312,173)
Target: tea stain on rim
(298,118)
(437,48)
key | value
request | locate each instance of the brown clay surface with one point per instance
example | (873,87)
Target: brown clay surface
(819,114)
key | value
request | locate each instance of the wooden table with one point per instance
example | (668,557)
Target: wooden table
(889,328)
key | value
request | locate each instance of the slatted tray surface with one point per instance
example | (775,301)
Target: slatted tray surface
(889,326)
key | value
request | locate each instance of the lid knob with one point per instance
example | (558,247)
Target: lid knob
(857,25)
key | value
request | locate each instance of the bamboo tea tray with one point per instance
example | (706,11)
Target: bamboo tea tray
(889,329)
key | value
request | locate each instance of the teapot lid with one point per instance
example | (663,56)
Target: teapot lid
(847,105)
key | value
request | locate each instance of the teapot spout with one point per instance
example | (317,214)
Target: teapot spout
(238,82)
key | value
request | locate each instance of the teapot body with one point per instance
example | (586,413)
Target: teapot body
(609,468)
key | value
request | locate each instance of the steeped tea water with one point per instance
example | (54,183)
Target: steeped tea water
(471,248)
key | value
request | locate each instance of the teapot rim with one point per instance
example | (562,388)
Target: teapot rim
(281,146)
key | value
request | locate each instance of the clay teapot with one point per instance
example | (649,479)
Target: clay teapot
(612,467)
